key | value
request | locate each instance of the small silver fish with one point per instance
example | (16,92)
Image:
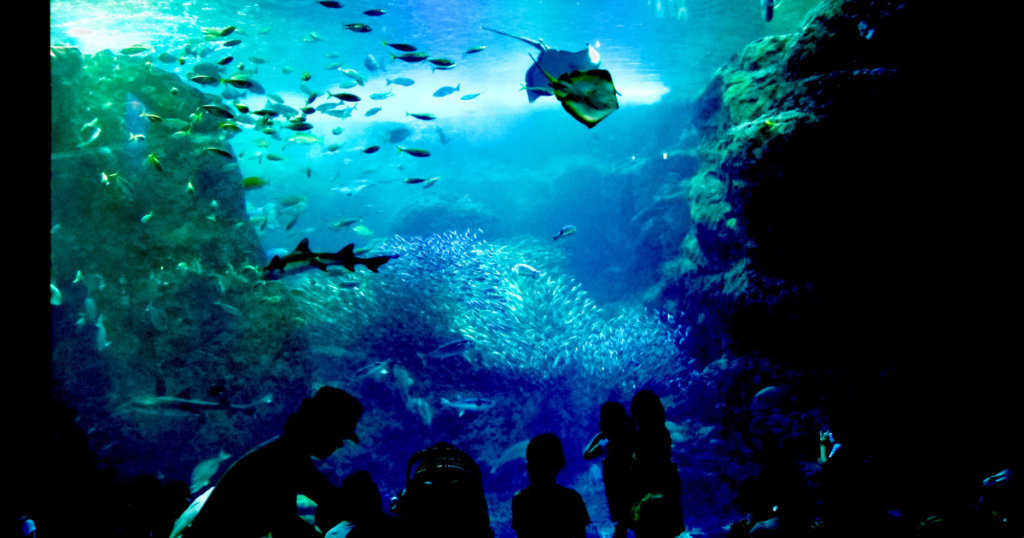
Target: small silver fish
(522,269)
(205,471)
(566,231)
(90,311)
(447,90)
(101,335)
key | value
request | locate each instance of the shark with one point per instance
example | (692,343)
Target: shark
(183,404)
(470,404)
(555,62)
(302,259)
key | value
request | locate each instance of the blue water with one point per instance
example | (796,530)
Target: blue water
(510,172)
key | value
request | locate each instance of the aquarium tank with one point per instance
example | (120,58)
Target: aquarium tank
(698,242)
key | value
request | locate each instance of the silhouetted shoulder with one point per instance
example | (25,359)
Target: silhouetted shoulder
(549,510)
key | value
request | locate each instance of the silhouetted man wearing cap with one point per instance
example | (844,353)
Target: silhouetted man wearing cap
(257,494)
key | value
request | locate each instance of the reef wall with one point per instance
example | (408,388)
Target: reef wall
(801,206)
(836,239)
(157,266)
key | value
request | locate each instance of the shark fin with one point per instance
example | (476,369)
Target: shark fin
(348,259)
(303,246)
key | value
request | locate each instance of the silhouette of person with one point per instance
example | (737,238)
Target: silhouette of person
(544,508)
(615,441)
(653,469)
(257,493)
(656,516)
(359,506)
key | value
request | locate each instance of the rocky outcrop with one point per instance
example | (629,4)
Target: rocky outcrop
(802,207)
(157,263)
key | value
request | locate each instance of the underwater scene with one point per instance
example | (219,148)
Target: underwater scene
(649,268)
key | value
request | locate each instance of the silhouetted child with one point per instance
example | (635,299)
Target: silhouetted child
(615,441)
(359,505)
(653,469)
(656,516)
(544,508)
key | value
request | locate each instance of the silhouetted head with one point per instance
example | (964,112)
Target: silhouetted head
(614,419)
(361,493)
(358,500)
(647,410)
(323,423)
(544,456)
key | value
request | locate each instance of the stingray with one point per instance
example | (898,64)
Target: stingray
(588,96)
(555,62)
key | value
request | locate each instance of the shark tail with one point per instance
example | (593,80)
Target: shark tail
(457,87)
(374,263)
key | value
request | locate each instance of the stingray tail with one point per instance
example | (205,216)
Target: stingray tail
(536,44)
(546,74)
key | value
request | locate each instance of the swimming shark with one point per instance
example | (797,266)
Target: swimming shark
(470,404)
(555,62)
(183,404)
(302,259)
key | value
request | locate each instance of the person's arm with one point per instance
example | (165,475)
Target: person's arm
(516,514)
(596,446)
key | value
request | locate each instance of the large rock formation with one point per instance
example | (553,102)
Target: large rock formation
(803,205)
(158,268)
(833,234)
